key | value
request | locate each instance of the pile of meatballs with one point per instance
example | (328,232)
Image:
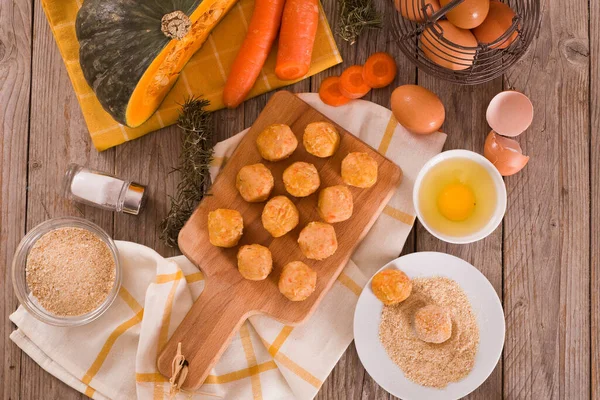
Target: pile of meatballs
(317,240)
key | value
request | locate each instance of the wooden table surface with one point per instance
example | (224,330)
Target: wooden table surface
(544,260)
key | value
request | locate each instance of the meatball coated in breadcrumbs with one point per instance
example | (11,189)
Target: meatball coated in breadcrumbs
(360,170)
(225,227)
(254,182)
(433,324)
(280,216)
(301,179)
(276,142)
(254,262)
(391,286)
(321,139)
(297,281)
(318,241)
(335,204)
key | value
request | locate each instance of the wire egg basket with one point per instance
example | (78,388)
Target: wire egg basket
(424,41)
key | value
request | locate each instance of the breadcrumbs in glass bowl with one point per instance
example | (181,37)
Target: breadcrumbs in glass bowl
(66,272)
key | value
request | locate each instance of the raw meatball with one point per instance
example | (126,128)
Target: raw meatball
(321,139)
(360,170)
(254,182)
(254,262)
(297,281)
(301,179)
(433,324)
(225,227)
(335,204)
(280,216)
(318,241)
(391,286)
(276,142)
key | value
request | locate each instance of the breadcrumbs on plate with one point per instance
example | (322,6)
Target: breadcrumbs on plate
(70,271)
(429,364)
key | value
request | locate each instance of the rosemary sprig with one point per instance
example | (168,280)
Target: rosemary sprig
(355,16)
(194,163)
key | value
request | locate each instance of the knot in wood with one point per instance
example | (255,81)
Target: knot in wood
(2,50)
(575,51)
(175,25)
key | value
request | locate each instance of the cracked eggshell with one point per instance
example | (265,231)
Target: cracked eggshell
(506,154)
(510,113)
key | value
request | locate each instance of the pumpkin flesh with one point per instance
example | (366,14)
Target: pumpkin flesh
(126,57)
(162,74)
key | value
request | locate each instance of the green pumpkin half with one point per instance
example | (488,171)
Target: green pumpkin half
(132,51)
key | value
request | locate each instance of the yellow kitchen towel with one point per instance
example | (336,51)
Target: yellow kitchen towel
(204,75)
(114,357)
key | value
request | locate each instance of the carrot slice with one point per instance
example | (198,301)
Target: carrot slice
(330,93)
(262,31)
(296,38)
(379,70)
(352,84)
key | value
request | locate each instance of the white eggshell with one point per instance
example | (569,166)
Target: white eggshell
(510,113)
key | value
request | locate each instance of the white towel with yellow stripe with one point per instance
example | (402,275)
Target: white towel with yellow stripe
(114,357)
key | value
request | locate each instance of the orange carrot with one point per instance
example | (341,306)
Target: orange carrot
(262,31)
(352,84)
(330,93)
(379,70)
(296,38)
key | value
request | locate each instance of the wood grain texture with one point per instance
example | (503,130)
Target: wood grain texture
(15,72)
(546,229)
(228,299)
(595,196)
(470,134)
(544,247)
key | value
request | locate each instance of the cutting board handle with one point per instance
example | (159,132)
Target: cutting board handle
(204,334)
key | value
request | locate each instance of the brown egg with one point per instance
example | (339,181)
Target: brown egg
(468,14)
(411,9)
(498,21)
(506,154)
(417,109)
(449,55)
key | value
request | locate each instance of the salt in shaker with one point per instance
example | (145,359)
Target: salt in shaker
(102,190)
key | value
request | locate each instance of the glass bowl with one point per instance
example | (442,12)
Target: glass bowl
(22,291)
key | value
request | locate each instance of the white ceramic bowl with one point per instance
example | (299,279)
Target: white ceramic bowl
(486,307)
(500,193)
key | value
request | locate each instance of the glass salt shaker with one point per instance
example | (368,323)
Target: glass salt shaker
(102,190)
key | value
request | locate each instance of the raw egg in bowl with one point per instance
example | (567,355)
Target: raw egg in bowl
(459,196)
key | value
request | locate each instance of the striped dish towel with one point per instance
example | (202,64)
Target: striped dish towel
(115,356)
(204,75)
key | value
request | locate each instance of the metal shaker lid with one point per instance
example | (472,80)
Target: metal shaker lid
(135,198)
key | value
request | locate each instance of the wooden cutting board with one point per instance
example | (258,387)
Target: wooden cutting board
(228,299)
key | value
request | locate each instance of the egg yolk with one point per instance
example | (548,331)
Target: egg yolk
(456,202)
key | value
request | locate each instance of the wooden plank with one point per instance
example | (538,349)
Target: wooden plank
(467,128)
(546,229)
(15,70)
(595,196)
(58,136)
(349,376)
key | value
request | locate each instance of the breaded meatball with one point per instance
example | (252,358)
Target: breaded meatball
(297,281)
(276,142)
(335,204)
(254,262)
(301,179)
(433,324)
(318,241)
(225,227)
(254,182)
(280,216)
(391,286)
(360,170)
(321,139)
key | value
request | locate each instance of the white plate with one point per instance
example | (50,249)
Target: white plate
(486,306)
